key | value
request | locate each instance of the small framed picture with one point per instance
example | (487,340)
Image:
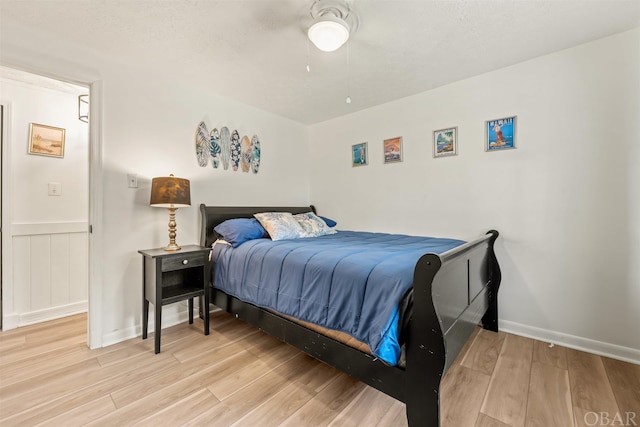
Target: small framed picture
(359,154)
(392,150)
(46,140)
(500,134)
(445,142)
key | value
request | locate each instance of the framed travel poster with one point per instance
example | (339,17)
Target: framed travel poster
(445,142)
(359,154)
(392,150)
(46,140)
(500,134)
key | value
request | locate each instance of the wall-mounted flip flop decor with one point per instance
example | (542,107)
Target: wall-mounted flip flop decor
(202,144)
(227,148)
(245,153)
(215,148)
(255,154)
(235,150)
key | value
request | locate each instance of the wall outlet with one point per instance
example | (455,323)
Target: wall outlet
(132,180)
(55,189)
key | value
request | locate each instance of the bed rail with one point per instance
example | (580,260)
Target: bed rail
(452,293)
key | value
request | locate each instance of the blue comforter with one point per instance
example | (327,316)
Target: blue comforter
(349,281)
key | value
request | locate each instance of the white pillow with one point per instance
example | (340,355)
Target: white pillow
(313,225)
(280,225)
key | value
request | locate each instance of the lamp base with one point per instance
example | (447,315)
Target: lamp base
(172,247)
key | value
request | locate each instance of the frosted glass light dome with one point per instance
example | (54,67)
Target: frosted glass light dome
(328,33)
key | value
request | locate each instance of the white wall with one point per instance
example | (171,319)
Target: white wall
(39,101)
(149,130)
(566,201)
(48,234)
(148,123)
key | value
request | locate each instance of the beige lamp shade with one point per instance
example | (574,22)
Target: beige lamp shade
(169,191)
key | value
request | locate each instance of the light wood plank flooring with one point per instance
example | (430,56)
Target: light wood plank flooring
(239,376)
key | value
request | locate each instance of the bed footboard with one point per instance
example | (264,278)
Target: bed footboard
(452,293)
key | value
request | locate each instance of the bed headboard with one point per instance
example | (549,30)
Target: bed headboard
(211,216)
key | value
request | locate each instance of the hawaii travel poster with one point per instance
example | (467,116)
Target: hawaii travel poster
(500,134)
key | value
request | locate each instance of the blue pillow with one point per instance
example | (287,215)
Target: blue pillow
(329,222)
(239,230)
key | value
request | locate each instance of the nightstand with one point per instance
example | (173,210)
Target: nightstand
(169,277)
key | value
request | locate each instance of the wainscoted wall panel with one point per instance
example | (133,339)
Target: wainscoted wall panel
(60,257)
(50,271)
(21,277)
(40,266)
(79,266)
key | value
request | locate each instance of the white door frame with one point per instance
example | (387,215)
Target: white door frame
(7,273)
(94,324)
(94,327)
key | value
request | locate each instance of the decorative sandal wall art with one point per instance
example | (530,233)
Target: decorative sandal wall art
(255,154)
(235,150)
(224,147)
(203,148)
(215,148)
(245,153)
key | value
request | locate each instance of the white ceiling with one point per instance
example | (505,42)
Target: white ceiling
(256,52)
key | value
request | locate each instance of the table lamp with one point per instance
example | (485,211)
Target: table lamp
(171,193)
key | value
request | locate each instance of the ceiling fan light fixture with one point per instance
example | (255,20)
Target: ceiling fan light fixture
(328,33)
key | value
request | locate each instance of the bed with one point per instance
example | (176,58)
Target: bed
(448,295)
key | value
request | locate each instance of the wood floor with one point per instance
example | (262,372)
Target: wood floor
(239,376)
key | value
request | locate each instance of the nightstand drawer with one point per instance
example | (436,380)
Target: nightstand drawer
(181,261)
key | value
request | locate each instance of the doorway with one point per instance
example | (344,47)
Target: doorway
(46,273)
(1,199)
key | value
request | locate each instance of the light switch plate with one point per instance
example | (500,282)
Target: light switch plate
(132,180)
(55,189)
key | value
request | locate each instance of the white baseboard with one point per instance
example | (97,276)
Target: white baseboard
(170,319)
(626,354)
(10,321)
(13,321)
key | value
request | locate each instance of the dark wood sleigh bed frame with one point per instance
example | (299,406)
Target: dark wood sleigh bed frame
(453,292)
